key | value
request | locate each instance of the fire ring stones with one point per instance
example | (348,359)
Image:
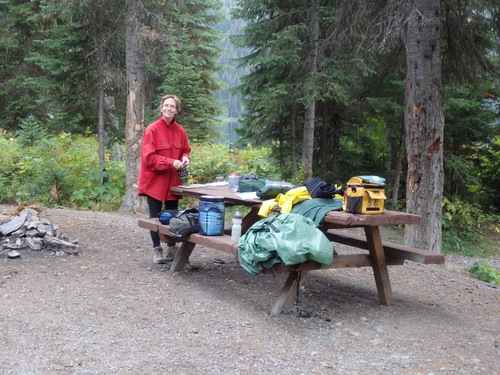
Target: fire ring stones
(28,231)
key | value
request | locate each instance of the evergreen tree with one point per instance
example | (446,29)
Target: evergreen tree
(171,49)
(283,81)
(185,62)
(65,88)
(17,33)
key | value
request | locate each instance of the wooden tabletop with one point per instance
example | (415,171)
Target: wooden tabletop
(343,218)
(230,196)
(332,218)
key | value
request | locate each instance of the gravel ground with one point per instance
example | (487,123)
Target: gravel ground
(109,310)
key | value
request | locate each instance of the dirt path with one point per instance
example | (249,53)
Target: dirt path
(111,311)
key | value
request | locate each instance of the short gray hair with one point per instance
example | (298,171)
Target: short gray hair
(177,102)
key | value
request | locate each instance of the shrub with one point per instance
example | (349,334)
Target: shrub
(483,271)
(464,224)
(63,170)
(30,131)
(60,170)
(212,160)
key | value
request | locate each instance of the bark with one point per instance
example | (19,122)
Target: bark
(308,141)
(310,110)
(281,135)
(397,175)
(293,139)
(110,106)
(337,125)
(134,124)
(323,142)
(101,79)
(424,122)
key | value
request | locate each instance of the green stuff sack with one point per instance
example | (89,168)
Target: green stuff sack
(272,191)
(250,182)
(285,238)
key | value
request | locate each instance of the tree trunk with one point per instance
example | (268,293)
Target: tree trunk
(397,175)
(424,122)
(337,125)
(110,106)
(308,141)
(310,110)
(293,139)
(134,124)
(101,79)
(281,137)
(323,142)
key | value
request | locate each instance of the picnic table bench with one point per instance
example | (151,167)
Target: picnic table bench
(380,253)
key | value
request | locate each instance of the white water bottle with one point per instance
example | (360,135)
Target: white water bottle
(236,229)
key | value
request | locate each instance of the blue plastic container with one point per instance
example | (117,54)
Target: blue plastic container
(212,210)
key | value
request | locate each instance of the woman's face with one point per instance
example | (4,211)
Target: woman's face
(168,110)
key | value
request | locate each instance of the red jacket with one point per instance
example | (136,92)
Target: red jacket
(162,144)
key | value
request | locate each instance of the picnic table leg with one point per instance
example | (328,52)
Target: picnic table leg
(288,293)
(250,218)
(380,271)
(182,257)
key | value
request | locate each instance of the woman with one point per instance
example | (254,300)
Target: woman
(165,150)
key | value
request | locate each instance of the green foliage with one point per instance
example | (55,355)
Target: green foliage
(470,124)
(210,160)
(64,171)
(16,37)
(55,55)
(107,195)
(60,171)
(189,55)
(464,225)
(483,271)
(486,162)
(30,130)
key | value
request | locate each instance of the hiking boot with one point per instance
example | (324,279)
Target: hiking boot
(171,253)
(158,255)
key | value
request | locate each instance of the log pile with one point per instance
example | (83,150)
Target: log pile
(27,231)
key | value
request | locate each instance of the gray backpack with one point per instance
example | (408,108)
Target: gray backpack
(184,223)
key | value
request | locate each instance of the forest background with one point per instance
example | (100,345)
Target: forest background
(243,71)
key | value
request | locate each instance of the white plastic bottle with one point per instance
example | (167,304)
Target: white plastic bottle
(236,229)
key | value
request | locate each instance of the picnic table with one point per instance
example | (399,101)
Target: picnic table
(380,253)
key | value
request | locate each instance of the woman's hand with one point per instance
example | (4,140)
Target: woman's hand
(184,163)
(178,164)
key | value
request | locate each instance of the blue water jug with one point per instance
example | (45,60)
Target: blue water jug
(212,210)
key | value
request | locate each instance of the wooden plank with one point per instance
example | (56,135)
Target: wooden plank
(346,219)
(182,257)
(359,260)
(230,196)
(339,261)
(288,293)
(392,249)
(332,218)
(380,271)
(223,243)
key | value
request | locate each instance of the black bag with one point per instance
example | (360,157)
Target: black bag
(166,215)
(321,189)
(184,223)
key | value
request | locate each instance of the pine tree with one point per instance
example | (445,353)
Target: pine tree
(17,34)
(185,63)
